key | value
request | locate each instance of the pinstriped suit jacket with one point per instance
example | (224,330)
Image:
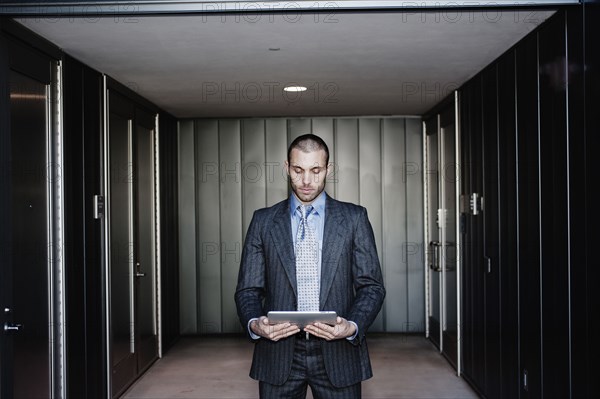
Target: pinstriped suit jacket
(351,285)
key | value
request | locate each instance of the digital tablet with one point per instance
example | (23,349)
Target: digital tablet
(302,318)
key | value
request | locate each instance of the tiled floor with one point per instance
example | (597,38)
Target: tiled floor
(215,368)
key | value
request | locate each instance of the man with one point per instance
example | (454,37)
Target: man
(310,252)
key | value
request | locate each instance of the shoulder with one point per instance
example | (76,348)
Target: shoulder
(271,211)
(348,208)
(263,218)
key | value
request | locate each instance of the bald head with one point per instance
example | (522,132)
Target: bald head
(309,143)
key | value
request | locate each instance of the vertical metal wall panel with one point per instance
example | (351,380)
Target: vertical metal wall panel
(491,226)
(83,255)
(187,229)
(469,97)
(208,227)
(414,247)
(474,286)
(528,217)
(229,190)
(554,210)
(323,127)
(394,223)
(583,379)
(507,210)
(77,227)
(254,171)
(231,219)
(589,380)
(275,155)
(169,229)
(369,144)
(298,127)
(346,152)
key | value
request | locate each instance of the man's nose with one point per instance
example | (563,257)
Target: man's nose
(306,179)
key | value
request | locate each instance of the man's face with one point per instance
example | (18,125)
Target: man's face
(307,171)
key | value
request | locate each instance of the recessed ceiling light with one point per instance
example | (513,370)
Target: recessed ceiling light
(274,48)
(294,88)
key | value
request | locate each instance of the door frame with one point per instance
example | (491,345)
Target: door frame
(450,101)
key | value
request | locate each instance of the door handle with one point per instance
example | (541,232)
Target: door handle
(12,327)
(138,273)
(435,264)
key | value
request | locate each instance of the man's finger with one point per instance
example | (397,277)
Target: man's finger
(283,331)
(319,330)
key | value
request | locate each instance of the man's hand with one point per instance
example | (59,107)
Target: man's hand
(342,329)
(274,332)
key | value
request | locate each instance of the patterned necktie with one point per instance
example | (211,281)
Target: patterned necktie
(307,275)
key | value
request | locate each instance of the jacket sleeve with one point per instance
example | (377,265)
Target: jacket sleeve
(250,290)
(368,280)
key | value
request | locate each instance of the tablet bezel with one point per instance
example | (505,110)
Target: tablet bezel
(302,318)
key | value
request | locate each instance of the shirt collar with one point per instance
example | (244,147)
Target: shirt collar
(318,204)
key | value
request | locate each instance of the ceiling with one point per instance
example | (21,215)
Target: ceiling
(236,65)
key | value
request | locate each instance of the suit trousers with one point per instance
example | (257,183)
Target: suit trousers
(308,369)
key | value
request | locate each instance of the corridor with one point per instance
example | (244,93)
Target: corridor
(138,140)
(404,366)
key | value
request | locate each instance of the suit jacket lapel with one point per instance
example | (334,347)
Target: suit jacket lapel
(282,237)
(333,239)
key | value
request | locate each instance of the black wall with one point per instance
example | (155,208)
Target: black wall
(84,251)
(528,146)
(82,173)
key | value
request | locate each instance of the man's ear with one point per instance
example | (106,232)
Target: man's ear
(287,167)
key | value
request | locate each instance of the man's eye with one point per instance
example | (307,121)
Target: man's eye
(316,171)
(298,170)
